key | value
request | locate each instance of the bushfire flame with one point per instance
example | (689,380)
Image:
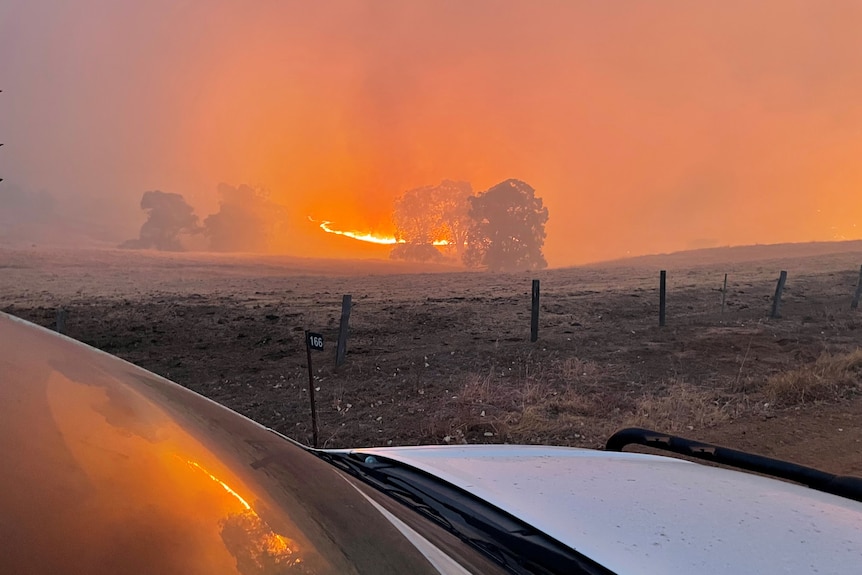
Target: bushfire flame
(367,237)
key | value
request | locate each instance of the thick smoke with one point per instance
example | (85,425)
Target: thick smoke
(20,205)
(247,220)
(168,218)
(647,126)
(25,215)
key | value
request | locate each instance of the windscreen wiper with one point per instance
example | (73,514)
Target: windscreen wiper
(510,542)
(843,485)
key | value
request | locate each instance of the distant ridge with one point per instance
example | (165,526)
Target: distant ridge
(737,254)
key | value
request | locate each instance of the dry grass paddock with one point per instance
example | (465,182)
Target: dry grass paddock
(445,356)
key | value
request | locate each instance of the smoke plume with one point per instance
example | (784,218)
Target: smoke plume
(247,220)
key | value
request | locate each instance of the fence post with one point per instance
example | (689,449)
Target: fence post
(341,349)
(61,320)
(662,297)
(855,303)
(776,301)
(311,391)
(534,317)
(723,294)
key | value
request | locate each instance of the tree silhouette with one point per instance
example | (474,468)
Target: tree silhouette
(168,216)
(432,213)
(508,229)
(247,220)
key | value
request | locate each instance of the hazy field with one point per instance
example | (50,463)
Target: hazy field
(445,357)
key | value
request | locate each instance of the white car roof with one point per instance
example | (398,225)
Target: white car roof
(644,514)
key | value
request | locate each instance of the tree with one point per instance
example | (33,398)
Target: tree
(452,200)
(508,229)
(247,220)
(168,216)
(432,214)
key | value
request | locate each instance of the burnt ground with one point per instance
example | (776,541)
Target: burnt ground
(446,357)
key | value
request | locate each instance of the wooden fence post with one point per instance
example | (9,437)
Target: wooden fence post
(776,301)
(855,303)
(341,349)
(61,320)
(534,317)
(723,294)
(662,297)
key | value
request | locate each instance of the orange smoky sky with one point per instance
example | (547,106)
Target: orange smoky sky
(644,126)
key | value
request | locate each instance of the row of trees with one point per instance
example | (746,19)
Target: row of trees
(247,221)
(502,228)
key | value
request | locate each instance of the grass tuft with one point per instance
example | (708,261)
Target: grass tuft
(829,378)
(682,407)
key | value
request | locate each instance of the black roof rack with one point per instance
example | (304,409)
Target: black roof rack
(843,485)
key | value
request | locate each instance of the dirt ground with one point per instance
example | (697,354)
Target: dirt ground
(445,357)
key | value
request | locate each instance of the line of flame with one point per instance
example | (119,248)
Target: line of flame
(371,238)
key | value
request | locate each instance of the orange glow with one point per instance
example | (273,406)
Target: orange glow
(362,237)
(368,237)
(176,482)
(227,488)
(271,544)
(710,125)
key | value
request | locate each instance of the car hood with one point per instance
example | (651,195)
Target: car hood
(108,468)
(639,514)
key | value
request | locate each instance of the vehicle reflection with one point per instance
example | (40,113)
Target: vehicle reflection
(132,448)
(248,537)
(112,469)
